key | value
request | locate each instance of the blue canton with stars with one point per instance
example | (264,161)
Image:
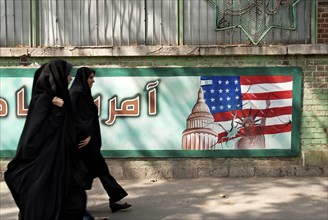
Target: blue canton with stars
(222,93)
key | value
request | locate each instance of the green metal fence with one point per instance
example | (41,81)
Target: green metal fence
(155,22)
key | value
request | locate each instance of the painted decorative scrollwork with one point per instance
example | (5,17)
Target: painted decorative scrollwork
(255,17)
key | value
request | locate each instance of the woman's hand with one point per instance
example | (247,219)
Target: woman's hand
(84,142)
(58,101)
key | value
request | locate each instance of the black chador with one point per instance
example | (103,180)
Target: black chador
(87,124)
(40,175)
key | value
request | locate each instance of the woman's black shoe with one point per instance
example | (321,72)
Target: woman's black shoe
(115,207)
(88,216)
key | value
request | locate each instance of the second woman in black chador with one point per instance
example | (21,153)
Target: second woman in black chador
(89,138)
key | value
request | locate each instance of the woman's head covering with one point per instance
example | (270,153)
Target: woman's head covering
(51,78)
(80,84)
(37,76)
(68,69)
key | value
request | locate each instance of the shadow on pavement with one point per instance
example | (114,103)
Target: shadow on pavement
(227,198)
(213,198)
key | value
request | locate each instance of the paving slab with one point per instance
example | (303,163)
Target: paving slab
(207,198)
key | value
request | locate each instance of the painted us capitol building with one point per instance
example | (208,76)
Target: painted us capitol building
(199,135)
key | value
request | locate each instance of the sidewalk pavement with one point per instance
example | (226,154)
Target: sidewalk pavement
(212,198)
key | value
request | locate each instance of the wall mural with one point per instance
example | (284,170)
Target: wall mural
(178,112)
(241,112)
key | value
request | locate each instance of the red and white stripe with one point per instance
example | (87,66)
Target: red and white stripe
(256,90)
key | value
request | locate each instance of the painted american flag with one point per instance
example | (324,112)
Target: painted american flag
(268,99)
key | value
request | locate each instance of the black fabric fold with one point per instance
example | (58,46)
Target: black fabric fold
(87,124)
(39,174)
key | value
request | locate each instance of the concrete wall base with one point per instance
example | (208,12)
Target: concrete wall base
(309,164)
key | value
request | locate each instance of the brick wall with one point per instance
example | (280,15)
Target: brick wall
(323,21)
(315,106)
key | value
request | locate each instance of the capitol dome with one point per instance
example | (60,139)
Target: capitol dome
(199,135)
(201,109)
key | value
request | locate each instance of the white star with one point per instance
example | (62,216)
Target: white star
(237,97)
(212,99)
(228,98)
(221,107)
(227,90)
(221,99)
(236,89)
(227,82)
(220,90)
(228,106)
(212,91)
(219,81)
(213,108)
(236,81)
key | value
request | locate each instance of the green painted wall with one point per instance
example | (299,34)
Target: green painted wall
(314,120)
(314,103)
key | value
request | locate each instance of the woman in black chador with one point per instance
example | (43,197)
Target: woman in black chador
(89,138)
(40,176)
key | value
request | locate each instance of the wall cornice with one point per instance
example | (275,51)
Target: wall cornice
(193,50)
